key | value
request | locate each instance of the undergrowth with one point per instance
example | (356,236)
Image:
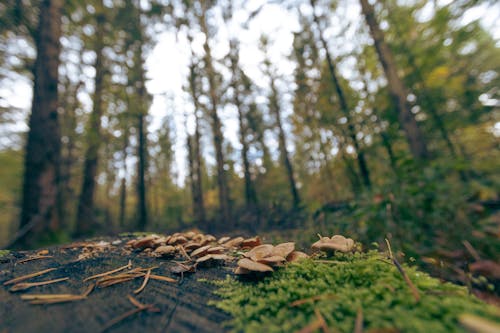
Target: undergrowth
(345,285)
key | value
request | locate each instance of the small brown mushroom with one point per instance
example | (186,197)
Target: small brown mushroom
(259,252)
(284,249)
(296,256)
(165,250)
(224,239)
(200,252)
(336,243)
(235,242)
(216,250)
(272,260)
(145,242)
(212,259)
(254,266)
(251,242)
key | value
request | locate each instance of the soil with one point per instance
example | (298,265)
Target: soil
(183,305)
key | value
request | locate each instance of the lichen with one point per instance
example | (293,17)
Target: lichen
(351,282)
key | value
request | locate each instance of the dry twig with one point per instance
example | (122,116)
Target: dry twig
(37,257)
(312,299)
(358,324)
(413,289)
(321,321)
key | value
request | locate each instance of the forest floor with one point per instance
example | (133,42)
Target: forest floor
(162,296)
(181,306)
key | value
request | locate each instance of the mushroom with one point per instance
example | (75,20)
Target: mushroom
(200,251)
(212,259)
(272,260)
(165,250)
(336,243)
(296,256)
(284,249)
(254,266)
(235,242)
(251,242)
(259,252)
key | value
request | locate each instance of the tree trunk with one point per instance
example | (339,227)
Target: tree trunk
(360,156)
(141,169)
(250,193)
(194,151)
(85,220)
(43,149)
(276,110)
(416,140)
(224,196)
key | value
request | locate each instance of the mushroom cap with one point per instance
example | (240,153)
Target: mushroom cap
(200,251)
(224,239)
(251,242)
(259,252)
(241,271)
(272,260)
(145,242)
(212,257)
(296,256)
(216,250)
(254,266)
(283,249)
(235,242)
(164,250)
(336,243)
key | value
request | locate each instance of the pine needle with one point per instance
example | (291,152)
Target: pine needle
(37,257)
(129,265)
(26,285)
(28,276)
(144,283)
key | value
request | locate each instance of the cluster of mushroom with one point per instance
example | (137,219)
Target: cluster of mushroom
(263,258)
(335,243)
(195,246)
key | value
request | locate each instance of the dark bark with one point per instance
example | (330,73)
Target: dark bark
(250,193)
(141,169)
(85,220)
(194,151)
(39,212)
(398,91)
(274,108)
(360,155)
(224,196)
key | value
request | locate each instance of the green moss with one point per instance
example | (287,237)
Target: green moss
(353,282)
(3,253)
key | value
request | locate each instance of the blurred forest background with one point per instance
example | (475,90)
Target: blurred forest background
(377,119)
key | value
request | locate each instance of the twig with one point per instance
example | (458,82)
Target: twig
(28,276)
(471,250)
(312,299)
(184,253)
(135,302)
(129,265)
(27,285)
(144,283)
(321,321)
(413,289)
(311,327)
(34,258)
(358,324)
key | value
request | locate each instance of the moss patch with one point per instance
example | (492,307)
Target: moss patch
(3,253)
(345,285)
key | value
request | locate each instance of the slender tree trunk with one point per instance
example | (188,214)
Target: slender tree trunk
(122,214)
(224,196)
(276,110)
(360,155)
(194,145)
(250,193)
(39,212)
(85,220)
(141,171)
(416,140)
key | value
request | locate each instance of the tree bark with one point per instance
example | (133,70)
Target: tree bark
(398,91)
(224,196)
(85,220)
(236,72)
(275,108)
(39,212)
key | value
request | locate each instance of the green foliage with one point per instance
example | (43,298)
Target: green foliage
(3,253)
(345,285)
